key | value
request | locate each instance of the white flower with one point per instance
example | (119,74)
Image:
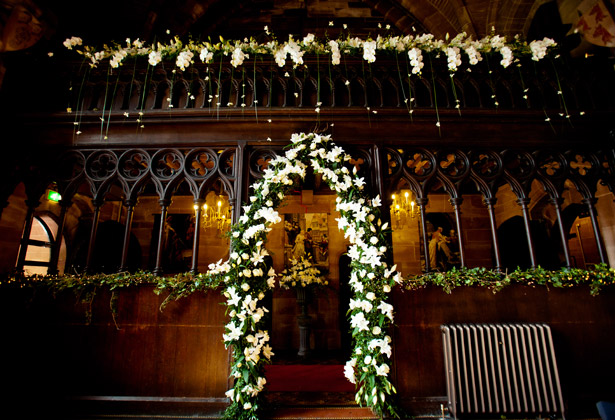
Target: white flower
(117,58)
(539,48)
(260,383)
(416,60)
(154,58)
(308,39)
(294,50)
(280,57)
(358,321)
(382,370)
(335,52)
(267,351)
(269,214)
(497,42)
(349,370)
(453,58)
(473,55)
(72,42)
(206,56)
(369,51)
(386,309)
(238,56)
(184,59)
(232,297)
(234,332)
(507,56)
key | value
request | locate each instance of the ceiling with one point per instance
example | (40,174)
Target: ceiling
(104,21)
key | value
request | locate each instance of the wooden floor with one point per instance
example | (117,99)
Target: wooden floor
(320,413)
(314,405)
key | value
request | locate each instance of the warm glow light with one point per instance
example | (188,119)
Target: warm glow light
(195,207)
(404,210)
(213,217)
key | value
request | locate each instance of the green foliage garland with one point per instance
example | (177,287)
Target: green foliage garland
(596,278)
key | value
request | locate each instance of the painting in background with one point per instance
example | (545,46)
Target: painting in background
(307,236)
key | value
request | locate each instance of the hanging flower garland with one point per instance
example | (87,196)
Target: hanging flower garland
(457,50)
(185,54)
(246,277)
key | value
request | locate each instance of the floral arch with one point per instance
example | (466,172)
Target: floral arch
(246,277)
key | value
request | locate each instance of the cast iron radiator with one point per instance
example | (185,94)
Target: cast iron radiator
(501,368)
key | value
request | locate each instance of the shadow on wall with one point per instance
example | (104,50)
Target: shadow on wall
(514,249)
(107,249)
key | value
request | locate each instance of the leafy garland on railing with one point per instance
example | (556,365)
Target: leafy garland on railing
(85,286)
(596,278)
(185,284)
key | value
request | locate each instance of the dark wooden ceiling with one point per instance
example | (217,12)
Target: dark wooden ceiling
(98,21)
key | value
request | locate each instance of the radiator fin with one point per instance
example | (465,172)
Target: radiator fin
(501,368)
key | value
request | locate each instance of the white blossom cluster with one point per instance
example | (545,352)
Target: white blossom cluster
(205,55)
(73,41)
(470,48)
(539,48)
(154,58)
(184,59)
(507,56)
(294,50)
(302,274)
(369,51)
(413,45)
(238,56)
(117,58)
(453,57)
(416,60)
(335,52)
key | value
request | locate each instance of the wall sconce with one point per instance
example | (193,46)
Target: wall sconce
(403,208)
(218,216)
